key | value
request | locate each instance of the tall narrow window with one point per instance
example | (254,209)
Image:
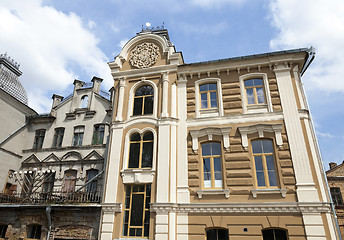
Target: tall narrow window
(263,155)
(58,137)
(274,234)
(212,173)
(336,196)
(92,186)
(34,232)
(78,135)
(48,184)
(208,95)
(84,101)
(98,134)
(141,150)
(143,101)
(217,234)
(69,181)
(28,183)
(136,211)
(255,91)
(3,229)
(39,138)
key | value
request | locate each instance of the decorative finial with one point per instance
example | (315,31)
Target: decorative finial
(148,27)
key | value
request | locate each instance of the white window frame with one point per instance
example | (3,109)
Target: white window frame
(255,108)
(210,112)
(132,94)
(138,175)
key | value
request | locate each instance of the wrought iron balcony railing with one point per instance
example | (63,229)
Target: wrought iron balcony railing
(51,198)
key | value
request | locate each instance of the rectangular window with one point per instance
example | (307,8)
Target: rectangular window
(136,211)
(98,134)
(39,138)
(28,183)
(3,229)
(212,170)
(208,96)
(69,180)
(92,186)
(263,155)
(58,137)
(255,91)
(78,135)
(48,184)
(336,196)
(34,232)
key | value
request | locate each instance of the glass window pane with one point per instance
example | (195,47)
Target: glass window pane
(206,149)
(135,137)
(280,234)
(218,183)
(213,96)
(272,178)
(132,232)
(270,163)
(212,86)
(260,95)
(204,104)
(259,163)
(148,190)
(148,105)
(126,216)
(134,155)
(268,234)
(211,234)
(146,230)
(136,210)
(215,148)
(204,96)
(206,165)
(203,87)
(137,106)
(250,97)
(217,165)
(222,234)
(267,146)
(147,154)
(125,230)
(213,103)
(258,82)
(207,183)
(144,90)
(260,179)
(257,147)
(249,83)
(148,136)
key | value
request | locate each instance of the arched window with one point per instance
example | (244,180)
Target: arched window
(274,234)
(263,154)
(143,101)
(141,150)
(84,101)
(69,180)
(254,91)
(212,170)
(217,234)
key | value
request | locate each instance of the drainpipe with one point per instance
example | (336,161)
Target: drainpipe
(48,211)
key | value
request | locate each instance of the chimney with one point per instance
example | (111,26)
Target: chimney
(333,165)
(96,84)
(78,84)
(57,99)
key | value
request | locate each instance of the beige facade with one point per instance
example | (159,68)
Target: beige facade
(226,148)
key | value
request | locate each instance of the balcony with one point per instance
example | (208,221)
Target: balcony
(51,198)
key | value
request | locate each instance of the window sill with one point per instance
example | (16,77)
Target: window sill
(131,176)
(257,108)
(200,193)
(209,112)
(255,192)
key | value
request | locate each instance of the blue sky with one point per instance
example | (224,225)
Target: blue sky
(57,41)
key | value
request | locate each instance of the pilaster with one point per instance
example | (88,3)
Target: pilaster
(119,115)
(165,94)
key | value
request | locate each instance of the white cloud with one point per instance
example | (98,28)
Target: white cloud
(91,24)
(49,44)
(317,23)
(216,3)
(123,42)
(326,134)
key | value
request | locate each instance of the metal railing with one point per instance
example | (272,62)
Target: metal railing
(51,198)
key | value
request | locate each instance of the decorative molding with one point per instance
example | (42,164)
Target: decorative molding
(111,207)
(224,132)
(260,129)
(137,176)
(255,192)
(200,193)
(144,55)
(273,207)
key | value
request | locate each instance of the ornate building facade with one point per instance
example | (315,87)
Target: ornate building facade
(222,149)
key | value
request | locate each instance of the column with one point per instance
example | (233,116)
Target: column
(120,100)
(164,95)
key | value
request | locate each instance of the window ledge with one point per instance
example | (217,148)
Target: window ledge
(255,192)
(209,112)
(262,108)
(131,176)
(200,193)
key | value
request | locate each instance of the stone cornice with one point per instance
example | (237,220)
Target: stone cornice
(111,207)
(242,208)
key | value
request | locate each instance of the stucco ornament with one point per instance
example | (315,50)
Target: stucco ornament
(144,55)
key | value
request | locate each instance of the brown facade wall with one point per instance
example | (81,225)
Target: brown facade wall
(198,223)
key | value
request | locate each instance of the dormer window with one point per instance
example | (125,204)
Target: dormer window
(84,101)
(143,101)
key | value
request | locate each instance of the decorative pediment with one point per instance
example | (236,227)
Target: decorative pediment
(210,132)
(94,155)
(261,129)
(71,156)
(31,159)
(51,158)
